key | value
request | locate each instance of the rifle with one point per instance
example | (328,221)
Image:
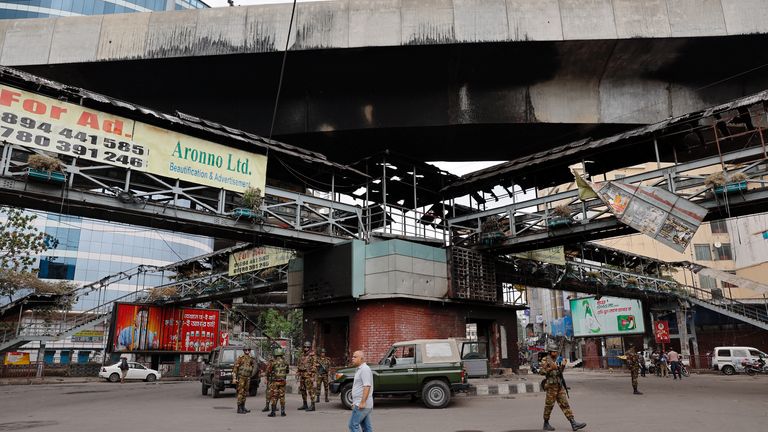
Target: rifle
(562,369)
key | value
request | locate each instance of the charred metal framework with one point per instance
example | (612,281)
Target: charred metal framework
(730,137)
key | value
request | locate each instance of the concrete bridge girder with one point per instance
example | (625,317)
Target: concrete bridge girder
(362,67)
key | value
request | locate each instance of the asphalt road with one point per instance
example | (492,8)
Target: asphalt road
(603,401)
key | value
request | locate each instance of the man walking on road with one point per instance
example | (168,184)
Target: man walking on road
(362,395)
(555,387)
(674,362)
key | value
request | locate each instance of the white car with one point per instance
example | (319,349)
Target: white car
(136,371)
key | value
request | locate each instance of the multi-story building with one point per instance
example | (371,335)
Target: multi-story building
(87,251)
(16,9)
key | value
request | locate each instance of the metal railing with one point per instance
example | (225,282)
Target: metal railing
(530,219)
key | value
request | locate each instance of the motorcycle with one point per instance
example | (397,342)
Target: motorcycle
(754,368)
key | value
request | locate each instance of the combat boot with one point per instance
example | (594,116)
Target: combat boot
(326,397)
(272,413)
(637,392)
(303,406)
(282,410)
(317,399)
(266,408)
(245,410)
(576,425)
(240,409)
(547,426)
(311,407)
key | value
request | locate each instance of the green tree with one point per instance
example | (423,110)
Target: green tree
(20,244)
(282,325)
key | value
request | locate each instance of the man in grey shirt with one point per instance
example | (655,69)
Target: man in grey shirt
(362,395)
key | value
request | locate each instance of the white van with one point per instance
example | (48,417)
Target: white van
(727,359)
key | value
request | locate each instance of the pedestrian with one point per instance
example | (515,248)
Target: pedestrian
(634,366)
(277,370)
(656,362)
(674,362)
(643,367)
(306,370)
(241,375)
(267,383)
(362,395)
(123,369)
(555,388)
(323,374)
(664,364)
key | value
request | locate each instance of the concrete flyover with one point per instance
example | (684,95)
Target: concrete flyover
(462,77)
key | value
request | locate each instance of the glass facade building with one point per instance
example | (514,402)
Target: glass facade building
(15,9)
(88,250)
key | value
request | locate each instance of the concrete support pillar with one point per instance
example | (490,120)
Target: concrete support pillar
(40,360)
(695,342)
(682,328)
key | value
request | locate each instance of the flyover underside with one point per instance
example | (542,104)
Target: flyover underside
(450,102)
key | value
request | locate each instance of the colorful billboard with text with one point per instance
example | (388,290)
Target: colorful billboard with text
(39,122)
(141,327)
(606,316)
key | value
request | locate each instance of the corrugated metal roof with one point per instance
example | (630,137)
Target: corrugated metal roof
(477,180)
(207,128)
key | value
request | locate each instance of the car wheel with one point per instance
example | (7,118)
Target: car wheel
(346,396)
(205,389)
(151,378)
(436,394)
(728,370)
(115,377)
(215,392)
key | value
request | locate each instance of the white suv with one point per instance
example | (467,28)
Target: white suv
(727,359)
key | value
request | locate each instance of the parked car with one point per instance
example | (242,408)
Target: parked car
(217,374)
(136,371)
(727,359)
(430,369)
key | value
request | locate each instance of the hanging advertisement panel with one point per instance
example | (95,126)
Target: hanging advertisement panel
(141,327)
(39,122)
(258,258)
(606,316)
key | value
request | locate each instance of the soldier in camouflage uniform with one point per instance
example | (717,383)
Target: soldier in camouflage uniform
(273,346)
(305,375)
(241,374)
(555,387)
(277,370)
(323,374)
(634,366)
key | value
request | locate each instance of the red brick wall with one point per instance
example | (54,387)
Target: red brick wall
(375,326)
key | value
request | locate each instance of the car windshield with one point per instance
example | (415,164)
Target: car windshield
(229,356)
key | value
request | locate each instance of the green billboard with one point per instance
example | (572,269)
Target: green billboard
(606,316)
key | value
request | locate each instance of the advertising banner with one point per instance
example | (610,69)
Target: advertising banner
(258,258)
(607,316)
(36,121)
(16,358)
(653,211)
(90,336)
(139,327)
(661,331)
(554,255)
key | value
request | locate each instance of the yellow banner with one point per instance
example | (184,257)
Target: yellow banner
(40,122)
(258,258)
(16,358)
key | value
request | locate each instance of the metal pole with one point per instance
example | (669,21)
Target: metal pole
(384,193)
(415,212)
(717,143)
(656,147)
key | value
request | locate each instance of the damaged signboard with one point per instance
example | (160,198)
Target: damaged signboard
(653,211)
